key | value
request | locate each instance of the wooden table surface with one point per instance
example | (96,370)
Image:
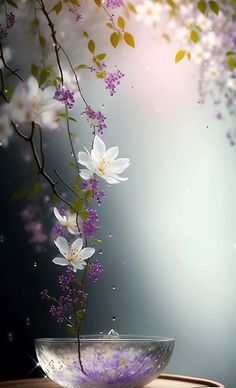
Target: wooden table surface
(165,381)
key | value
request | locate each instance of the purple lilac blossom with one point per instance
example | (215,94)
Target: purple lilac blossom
(112,80)
(66,96)
(96,118)
(10,21)
(114,3)
(95,271)
(93,184)
(90,226)
(57,313)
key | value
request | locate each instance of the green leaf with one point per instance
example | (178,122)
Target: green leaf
(98,241)
(231,63)
(115,38)
(42,41)
(82,66)
(43,76)
(129,40)
(121,22)
(78,204)
(83,213)
(194,36)
(75,2)
(171,4)
(57,7)
(231,52)
(88,195)
(12,3)
(109,25)
(214,7)
(179,55)
(91,46)
(101,56)
(132,8)
(71,329)
(202,6)
(86,34)
(98,2)
(35,23)
(34,70)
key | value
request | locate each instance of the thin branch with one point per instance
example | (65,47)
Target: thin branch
(66,184)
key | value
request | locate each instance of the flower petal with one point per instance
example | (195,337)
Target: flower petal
(73,231)
(110,180)
(84,158)
(33,85)
(62,245)
(86,174)
(77,244)
(59,217)
(98,150)
(60,261)
(48,92)
(79,264)
(118,166)
(86,253)
(111,153)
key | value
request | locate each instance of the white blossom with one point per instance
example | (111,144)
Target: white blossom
(6,130)
(30,103)
(74,254)
(68,220)
(103,163)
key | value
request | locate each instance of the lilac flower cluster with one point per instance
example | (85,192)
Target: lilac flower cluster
(66,96)
(96,118)
(112,80)
(90,226)
(93,184)
(65,281)
(114,3)
(71,298)
(10,21)
(57,313)
(95,271)
(58,230)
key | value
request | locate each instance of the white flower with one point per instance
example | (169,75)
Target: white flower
(5,129)
(231,83)
(102,162)
(74,255)
(68,220)
(149,12)
(30,103)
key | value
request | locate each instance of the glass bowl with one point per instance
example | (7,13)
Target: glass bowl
(122,361)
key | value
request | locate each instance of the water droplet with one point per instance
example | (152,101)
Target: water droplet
(35,264)
(113,319)
(10,337)
(113,333)
(103,106)
(72,154)
(101,332)
(28,322)
(1,238)
(110,234)
(113,287)
(100,252)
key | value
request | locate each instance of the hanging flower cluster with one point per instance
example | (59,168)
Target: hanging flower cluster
(40,103)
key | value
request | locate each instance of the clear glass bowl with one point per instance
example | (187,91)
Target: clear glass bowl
(125,361)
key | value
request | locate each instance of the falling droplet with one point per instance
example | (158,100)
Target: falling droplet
(10,337)
(113,319)
(72,154)
(110,234)
(113,287)
(1,238)
(101,332)
(100,252)
(28,322)
(35,264)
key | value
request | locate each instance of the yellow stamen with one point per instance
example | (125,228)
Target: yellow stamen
(102,167)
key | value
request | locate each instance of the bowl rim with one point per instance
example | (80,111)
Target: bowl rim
(102,338)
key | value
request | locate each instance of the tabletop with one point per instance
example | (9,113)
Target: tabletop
(164,381)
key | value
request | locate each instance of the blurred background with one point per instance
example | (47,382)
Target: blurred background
(169,251)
